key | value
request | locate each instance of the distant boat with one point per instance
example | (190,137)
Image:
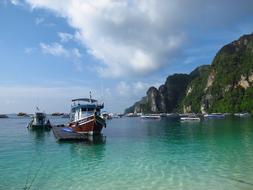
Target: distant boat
(151,116)
(172,115)
(115,115)
(214,116)
(189,117)
(245,114)
(39,121)
(65,116)
(85,116)
(106,115)
(57,114)
(120,115)
(133,115)
(22,114)
(2,116)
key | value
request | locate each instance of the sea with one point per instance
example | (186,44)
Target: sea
(131,154)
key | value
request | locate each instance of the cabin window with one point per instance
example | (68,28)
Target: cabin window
(98,111)
(90,109)
(84,109)
(87,109)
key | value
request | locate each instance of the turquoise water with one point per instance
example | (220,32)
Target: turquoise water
(133,154)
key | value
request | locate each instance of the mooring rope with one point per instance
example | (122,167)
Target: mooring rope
(36,174)
(28,172)
(237,180)
(27,187)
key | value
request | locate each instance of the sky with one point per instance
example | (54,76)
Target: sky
(52,51)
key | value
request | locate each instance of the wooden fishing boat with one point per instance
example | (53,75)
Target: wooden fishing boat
(85,116)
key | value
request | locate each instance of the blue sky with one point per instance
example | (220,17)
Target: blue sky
(53,51)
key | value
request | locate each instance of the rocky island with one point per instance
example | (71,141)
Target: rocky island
(224,86)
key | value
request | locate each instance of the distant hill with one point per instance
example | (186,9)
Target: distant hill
(224,86)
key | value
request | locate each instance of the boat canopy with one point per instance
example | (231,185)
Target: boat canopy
(84,107)
(86,103)
(84,100)
(87,106)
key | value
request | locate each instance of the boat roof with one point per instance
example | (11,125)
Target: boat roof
(92,106)
(84,100)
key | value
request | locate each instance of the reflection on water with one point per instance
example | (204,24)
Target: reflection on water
(88,140)
(90,152)
(39,135)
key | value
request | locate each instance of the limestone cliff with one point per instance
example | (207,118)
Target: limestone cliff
(227,86)
(224,86)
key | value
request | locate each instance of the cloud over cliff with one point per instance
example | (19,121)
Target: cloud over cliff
(139,37)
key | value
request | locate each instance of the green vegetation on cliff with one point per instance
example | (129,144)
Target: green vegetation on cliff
(195,91)
(224,86)
(227,86)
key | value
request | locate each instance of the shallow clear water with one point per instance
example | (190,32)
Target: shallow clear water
(133,154)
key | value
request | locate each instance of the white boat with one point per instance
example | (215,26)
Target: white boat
(190,118)
(214,116)
(39,121)
(150,117)
(132,115)
(172,115)
(246,114)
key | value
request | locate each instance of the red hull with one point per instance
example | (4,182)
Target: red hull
(89,125)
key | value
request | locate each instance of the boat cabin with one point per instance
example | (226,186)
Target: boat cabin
(84,107)
(39,118)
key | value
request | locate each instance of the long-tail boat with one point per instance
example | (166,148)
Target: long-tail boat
(85,116)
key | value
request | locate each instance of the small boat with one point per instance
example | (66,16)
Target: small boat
(245,114)
(39,121)
(115,115)
(57,114)
(85,116)
(65,116)
(120,115)
(2,116)
(172,115)
(151,116)
(22,114)
(214,116)
(133,115)
(189,117)
(106,115)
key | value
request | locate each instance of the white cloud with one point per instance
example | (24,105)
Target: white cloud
(29,50)
(76,53)
(132,89)
(65,37)
(42,21)
(139,37)
(15,2)
(123,88)
(39,20)
(57,49)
